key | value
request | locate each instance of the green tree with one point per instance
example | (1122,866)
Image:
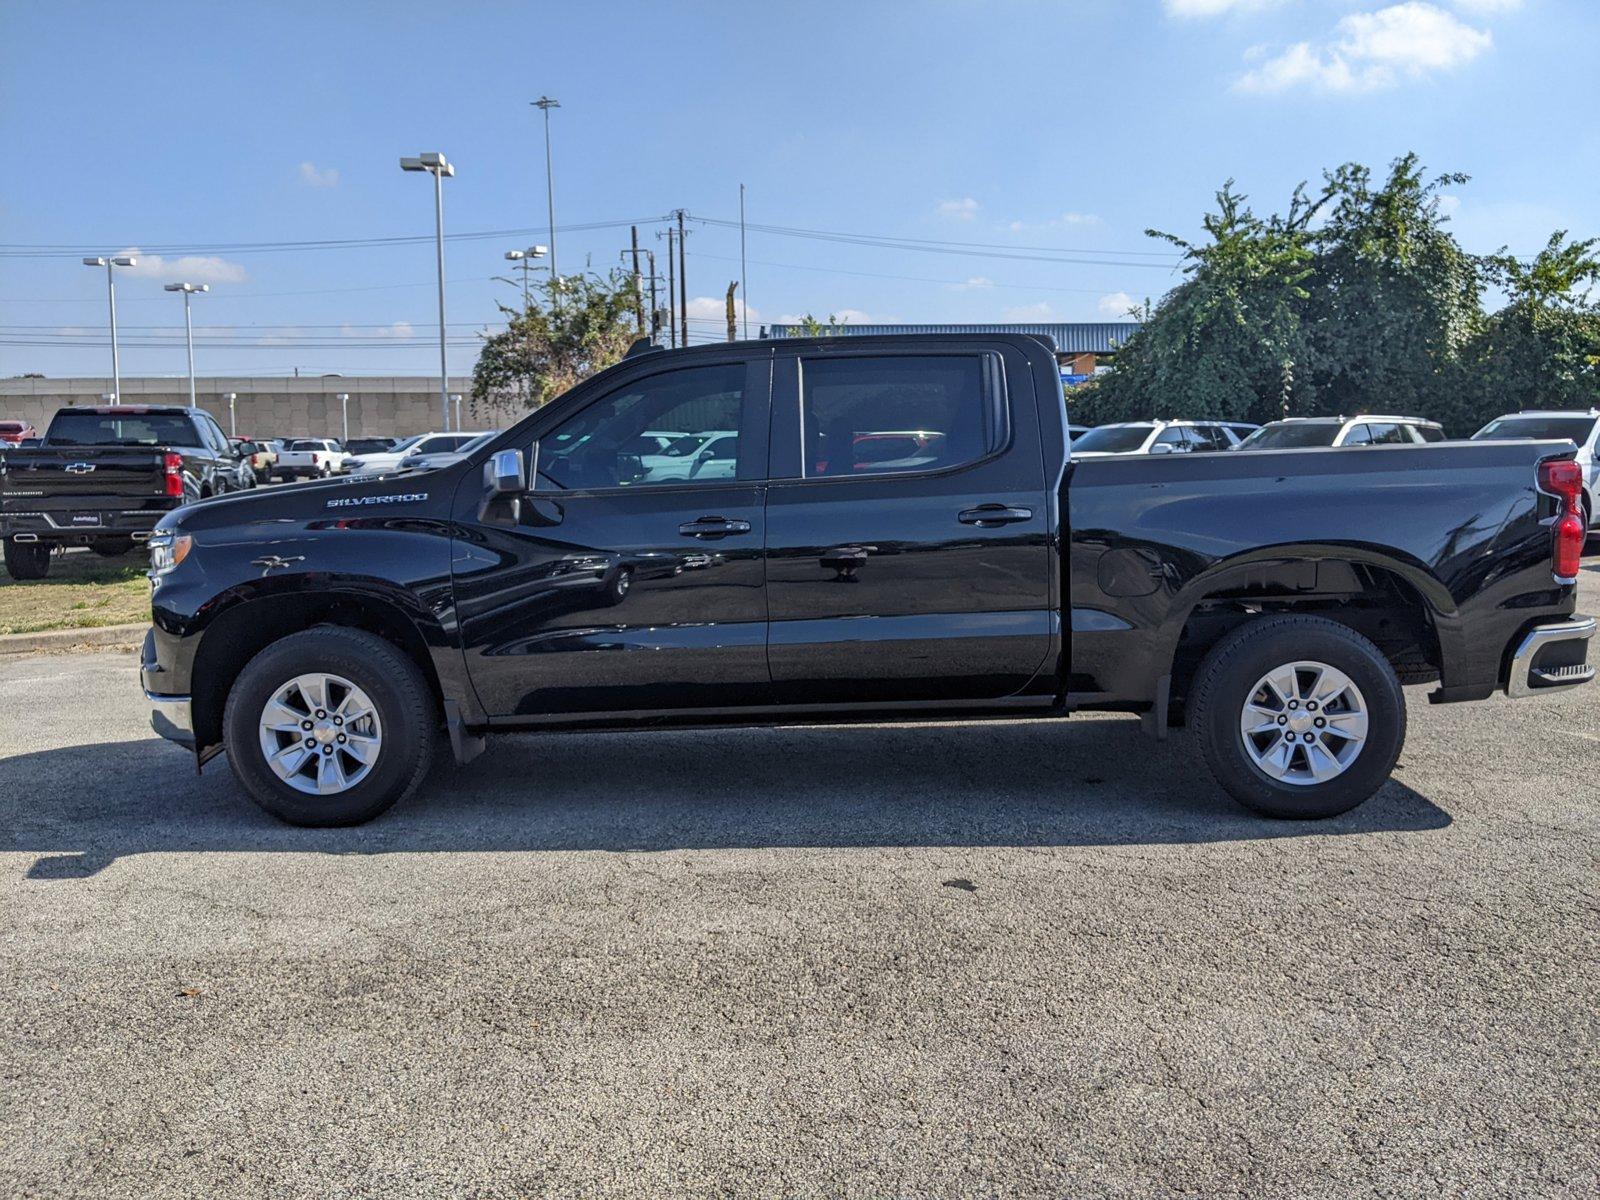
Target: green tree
(1226,342)
(573,327)
(809,326)
(1542,350)
(1393,298)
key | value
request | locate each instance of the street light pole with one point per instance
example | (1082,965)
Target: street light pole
(438,166)
(108,262)
(525,259)
(546,104)
(233,424)
(344,411)
(456,396)
(189,289)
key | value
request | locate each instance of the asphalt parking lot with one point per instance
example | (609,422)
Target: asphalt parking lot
(1005,959)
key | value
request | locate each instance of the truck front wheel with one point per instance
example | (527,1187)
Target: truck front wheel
(329,727)
(27,560)
(1298,717)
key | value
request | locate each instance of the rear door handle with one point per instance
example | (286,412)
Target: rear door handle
(994,514)
(713,527)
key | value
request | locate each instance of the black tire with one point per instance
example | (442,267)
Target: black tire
(1222,687)
(621,583)
(400,695)
(27,560)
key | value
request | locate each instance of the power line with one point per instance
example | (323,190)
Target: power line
(59,250)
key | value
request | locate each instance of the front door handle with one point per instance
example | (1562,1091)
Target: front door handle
(713,527)
(986,515)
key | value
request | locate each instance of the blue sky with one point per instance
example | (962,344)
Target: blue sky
(1035,130)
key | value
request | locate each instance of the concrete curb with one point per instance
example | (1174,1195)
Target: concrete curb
(73,639)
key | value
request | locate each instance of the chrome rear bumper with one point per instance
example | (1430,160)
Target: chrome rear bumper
(1551,657)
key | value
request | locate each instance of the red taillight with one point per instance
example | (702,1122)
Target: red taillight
(174,467)
(1564,480)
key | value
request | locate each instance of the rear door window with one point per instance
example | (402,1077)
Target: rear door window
(1389,434)
(899,413)
(1358,435)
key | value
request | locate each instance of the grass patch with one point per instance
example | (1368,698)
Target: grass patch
(83,591)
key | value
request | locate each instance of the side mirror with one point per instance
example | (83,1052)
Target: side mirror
(1161,448)
(504,474)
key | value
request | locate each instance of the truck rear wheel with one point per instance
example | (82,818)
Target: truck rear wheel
(330,727)
(27,560)
(1298,717)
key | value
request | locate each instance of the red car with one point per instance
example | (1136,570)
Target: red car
(13,432)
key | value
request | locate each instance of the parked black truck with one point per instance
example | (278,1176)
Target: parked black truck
(102,477)
(599,566)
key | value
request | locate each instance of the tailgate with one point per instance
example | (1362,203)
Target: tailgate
(46,479)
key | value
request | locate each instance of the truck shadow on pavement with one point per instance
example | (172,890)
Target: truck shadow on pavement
(1099,783)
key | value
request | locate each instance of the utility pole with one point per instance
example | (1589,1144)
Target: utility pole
(744,286)
(638,290)
(683,283)
(672,291)
(733,316)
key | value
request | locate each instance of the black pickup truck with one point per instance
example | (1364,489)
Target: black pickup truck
(858,529)
(102,477)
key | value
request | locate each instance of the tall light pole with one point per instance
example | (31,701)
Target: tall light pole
(233,424)
(436,165)
(189,289)
(525,259)
(109,262)
(546,104)
(456,396)
(344,411)
(743,286)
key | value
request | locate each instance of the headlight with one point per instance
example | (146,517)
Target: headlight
(354,463)
(167,550)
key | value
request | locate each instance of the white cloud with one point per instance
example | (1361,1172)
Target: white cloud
(1214,8)
(327,177)
(960,210)
(1488,8)
(1117,305)
(1449,205)
(191,268)
(974,283)
(1372,51)
(1024,313)
(1066,219)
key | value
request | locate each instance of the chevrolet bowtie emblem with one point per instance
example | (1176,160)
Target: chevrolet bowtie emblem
(79,468)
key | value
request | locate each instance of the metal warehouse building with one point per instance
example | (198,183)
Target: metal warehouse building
(1080,346)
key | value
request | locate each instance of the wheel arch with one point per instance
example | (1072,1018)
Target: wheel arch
(241,631)
(1394,601)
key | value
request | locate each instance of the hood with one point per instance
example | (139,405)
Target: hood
(347,495)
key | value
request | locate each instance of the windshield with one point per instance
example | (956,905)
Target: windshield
(117,429)
(1288,436)
(1574,429)
(305,445)
(1113,439)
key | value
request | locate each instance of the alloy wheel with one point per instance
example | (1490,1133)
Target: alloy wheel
(1304,723)
(320,734)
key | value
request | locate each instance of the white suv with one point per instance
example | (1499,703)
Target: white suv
(1159,437)
(1298,433)
(1583,428)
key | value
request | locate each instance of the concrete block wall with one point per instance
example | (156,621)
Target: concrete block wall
(380,406)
